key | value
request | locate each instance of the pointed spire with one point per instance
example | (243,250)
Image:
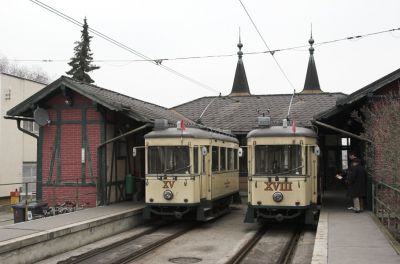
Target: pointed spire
(311,85)
(240,86)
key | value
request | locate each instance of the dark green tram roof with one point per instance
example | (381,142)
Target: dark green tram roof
(191,132)
(278,131)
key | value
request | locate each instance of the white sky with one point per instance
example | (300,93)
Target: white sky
(179,28)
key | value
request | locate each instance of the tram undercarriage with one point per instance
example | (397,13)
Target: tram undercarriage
(307,214)
(204,211)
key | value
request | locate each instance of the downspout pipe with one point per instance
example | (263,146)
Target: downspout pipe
(26,131)
(19,119)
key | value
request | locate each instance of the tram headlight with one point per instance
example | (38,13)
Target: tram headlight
(168,195)
(277,197)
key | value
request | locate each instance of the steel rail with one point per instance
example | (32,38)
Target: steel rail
(97,251)
(241,254)
(290,248)
(151,247)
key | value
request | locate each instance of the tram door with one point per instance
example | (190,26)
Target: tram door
(204,171)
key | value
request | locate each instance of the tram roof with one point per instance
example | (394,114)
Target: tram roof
(191,132)
(279,131)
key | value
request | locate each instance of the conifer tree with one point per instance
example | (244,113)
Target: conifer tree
(81,63)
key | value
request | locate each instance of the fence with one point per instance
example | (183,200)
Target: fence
(386,206)
(25,191)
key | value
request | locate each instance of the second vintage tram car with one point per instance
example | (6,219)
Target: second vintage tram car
(282,173)
(191,173)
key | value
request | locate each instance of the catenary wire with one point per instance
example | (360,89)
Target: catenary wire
(119,44)
(266,45)
(295,48)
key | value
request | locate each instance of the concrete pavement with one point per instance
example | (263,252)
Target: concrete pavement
(29,242)
(349,237)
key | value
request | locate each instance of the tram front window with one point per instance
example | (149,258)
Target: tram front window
(278,160)
(168,160)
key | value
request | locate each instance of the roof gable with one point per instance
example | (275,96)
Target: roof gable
(371,88)
(134,108)
(358,95)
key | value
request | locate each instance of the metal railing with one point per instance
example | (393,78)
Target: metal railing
(55,203)
(24,196)
(386,206)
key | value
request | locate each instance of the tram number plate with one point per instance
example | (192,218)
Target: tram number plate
(278,186)
(168,184)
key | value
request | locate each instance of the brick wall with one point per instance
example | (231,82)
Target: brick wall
(58,194)
(64,176)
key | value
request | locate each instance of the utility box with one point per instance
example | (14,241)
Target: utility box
(35,210)
(14,198)
(19,212)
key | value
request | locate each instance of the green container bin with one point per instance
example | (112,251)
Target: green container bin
(129,184)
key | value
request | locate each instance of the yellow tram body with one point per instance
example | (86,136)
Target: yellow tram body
(190,173)
(282,174)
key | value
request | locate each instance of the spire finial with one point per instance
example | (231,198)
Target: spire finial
(240,45)
(240,86)
(311,85)
(311,42)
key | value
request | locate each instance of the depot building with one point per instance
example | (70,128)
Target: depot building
(88,134)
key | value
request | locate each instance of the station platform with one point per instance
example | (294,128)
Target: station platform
(31,241)
(344,236)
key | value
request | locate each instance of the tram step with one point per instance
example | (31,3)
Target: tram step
(207,209)
(210,218)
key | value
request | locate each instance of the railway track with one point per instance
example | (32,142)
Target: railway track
(257,249)
(241,254)
(127,250)
(288,252)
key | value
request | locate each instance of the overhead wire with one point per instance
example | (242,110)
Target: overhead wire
(299,48)
(123,46)
(266,45)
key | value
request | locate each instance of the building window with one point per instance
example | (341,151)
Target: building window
(31,126)
(29,175)
(346,142)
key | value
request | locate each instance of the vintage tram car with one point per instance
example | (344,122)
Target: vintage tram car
(191,173)
(282,173)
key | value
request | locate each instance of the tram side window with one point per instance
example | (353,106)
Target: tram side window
(306,161)
(168,160)
(215,158)
(235,159)
(278,159)
(196,159)
(222,160)
(231,161)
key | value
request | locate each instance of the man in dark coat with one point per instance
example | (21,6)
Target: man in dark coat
(357,178)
